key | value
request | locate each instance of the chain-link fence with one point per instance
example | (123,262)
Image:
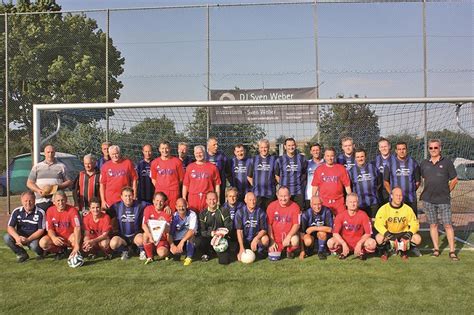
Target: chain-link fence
(351,49)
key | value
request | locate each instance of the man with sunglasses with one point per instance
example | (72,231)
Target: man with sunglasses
(440,178)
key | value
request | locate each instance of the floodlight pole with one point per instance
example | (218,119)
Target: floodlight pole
(316,55)
(208,40)
(425,85)
(107,32)
(7,129)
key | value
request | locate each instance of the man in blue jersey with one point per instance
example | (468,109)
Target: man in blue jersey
(316,224)
(313,163)
(346,158)
(26,226)
(251,226)
(145,185)
(127,217)
(403,172)
(239,166)
(383,160)
(104,148)
(219,159)
(261,175)
(231,202)
(290,171)
(183,154)
(182,231)
(366,181)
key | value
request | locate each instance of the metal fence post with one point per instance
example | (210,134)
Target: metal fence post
(7,129)
(316,55)
(425,86)
(208,121)
(107,33)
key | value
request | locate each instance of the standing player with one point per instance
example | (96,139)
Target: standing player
(404,172)
(183,155)
(316,224)
(127,216)
(239,166)
(200,178)
(366,181)
(261,175)
(313,163)
(216,157)
(64,228)
(283,223)
(115,175)
(329,182)
(145,184)
(25,227)
(251,226)
(97,229)
(347,157)
(352,231)
(210,220)
(290,171)
(383,160)
(104,147)
(182,231)
(396,221)
(167,174)
(156,211)
(87,185)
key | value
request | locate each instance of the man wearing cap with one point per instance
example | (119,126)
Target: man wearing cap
(47,177)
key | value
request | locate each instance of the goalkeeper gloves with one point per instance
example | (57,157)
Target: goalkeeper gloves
(407,236)
(389,236)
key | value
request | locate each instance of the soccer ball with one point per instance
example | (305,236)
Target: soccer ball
(247,257)
(274,256)
(221,246)
(75,261)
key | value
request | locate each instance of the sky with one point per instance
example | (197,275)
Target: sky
(369,49)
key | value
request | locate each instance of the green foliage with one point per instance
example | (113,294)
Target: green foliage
(357,121)
(55,58)
(228,135)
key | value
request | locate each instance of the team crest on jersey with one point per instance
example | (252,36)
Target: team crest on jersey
(36,217)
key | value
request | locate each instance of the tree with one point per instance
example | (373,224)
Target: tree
(228,135)
(55,58)
(357,121)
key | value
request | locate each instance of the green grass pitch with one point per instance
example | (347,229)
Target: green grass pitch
(421,285)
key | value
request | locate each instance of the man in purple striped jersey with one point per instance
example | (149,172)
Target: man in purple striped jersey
(313,163)
(346,158)
(261,175)
(404,172)
(145,186)
(290,171)
(382,160)
(238,170)
(219,159)
(366,180)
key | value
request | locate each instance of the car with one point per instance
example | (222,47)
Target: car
(20,168)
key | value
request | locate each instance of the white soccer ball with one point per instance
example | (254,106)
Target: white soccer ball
(247,257)
(75,261)
(221,246)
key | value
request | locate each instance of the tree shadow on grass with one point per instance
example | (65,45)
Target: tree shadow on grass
(295,309)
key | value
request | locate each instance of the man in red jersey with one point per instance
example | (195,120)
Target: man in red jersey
(329,181)
(114,175)
(167,174)
(97,228)
(64,227)
(352,231)
(283,223)
(156,212)
(200,178)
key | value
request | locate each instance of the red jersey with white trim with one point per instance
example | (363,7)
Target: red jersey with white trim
(331,181)
(282,219)
(352,228)
(93,229)
(167,173)
(62,222)
(115,176)
(201,178)
(151,213)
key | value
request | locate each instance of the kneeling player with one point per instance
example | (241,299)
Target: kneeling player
(156,212)
(352,231)
(97,228)
(128,214)
(397,224)
(182,231)
(283,223)
(251,225)
(316,223)
(64,227)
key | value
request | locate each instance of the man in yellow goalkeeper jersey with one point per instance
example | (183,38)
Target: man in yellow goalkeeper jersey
(397,226)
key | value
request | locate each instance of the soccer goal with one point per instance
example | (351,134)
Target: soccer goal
(413,120)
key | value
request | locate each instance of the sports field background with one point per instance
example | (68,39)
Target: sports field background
(420,285)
